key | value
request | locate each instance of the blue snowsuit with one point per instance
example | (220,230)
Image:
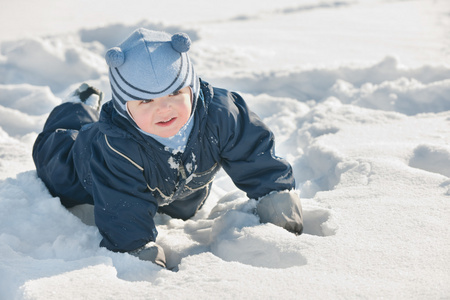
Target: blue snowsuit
(129,176)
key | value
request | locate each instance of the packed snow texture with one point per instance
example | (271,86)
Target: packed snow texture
(358,96)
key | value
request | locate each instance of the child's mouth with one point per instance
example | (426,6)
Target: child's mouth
(166,123)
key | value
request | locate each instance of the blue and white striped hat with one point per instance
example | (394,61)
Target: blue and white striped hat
(150,64)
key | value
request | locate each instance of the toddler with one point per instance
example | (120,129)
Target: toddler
(157,145)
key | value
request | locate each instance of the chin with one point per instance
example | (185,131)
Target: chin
(164,134)
(168,134)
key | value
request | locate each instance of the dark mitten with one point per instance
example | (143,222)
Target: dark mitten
(282,209)
(151,252)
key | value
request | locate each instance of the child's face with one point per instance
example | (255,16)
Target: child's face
(162,116)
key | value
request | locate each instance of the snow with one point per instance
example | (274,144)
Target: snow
(357,93)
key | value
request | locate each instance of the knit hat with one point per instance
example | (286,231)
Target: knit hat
(150,64)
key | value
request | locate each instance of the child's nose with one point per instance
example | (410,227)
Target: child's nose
(163,105)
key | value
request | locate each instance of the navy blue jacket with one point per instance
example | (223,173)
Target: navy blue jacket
(129,176)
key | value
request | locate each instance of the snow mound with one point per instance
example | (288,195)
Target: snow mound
(232,232)
(432,158)
(17,123)
(408,96)
(384,86)
(235,236)
(50,61)
(27,98)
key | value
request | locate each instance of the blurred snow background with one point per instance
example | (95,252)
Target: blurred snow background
(358,95)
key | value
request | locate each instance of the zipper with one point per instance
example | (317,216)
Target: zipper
(182,171)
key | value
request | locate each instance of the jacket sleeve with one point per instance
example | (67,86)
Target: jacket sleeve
(124,209)
(247,149)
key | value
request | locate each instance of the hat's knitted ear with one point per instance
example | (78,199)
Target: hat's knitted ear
(115,57)
(181,42)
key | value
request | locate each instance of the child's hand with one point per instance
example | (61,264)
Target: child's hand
(282,209)
(151,252)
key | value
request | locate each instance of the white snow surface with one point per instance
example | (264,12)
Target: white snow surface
(358,95)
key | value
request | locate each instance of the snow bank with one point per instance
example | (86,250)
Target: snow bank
(51,61)
(384,86)
(29,99)
(432,158)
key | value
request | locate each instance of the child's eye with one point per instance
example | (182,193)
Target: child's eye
(147,101)
(175,93)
